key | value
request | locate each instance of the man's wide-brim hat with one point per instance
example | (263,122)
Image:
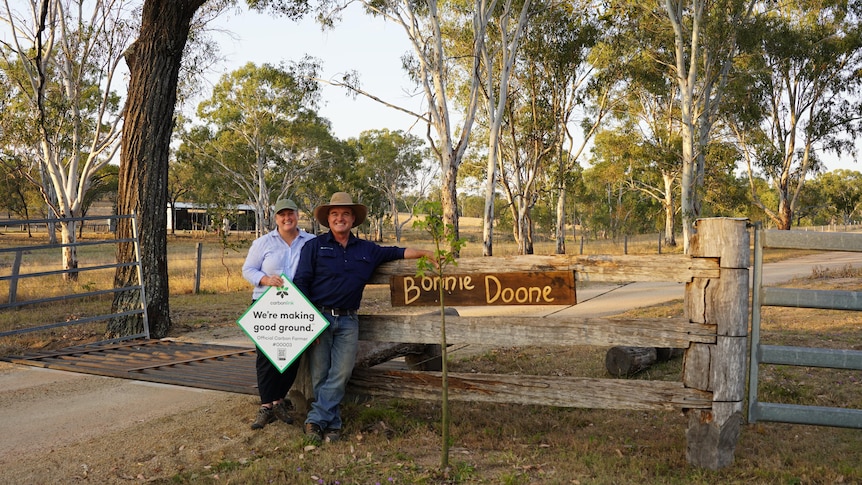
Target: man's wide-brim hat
(340,199)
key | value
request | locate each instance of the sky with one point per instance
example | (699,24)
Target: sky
(370,46)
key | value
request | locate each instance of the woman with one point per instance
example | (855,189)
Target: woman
(270,256)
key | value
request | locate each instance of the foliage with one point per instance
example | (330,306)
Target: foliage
(260,136)
(839,195)
(390,162)
(433,66)
(550,89)
(60,64)
(573,58)
(17,194)
(796,97)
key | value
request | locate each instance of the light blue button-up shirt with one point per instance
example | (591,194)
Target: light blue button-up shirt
(271,255)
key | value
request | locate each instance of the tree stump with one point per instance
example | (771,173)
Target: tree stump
(302,392)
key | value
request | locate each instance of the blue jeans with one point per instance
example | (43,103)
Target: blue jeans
(332,358)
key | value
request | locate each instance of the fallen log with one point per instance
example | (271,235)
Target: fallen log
(664,354)
(624,361)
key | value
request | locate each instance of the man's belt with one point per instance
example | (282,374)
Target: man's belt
(337,312)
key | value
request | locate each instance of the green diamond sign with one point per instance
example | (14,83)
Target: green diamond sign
(282,323)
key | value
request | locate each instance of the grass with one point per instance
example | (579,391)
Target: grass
(396,441)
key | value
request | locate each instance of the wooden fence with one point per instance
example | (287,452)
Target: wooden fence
(713,331)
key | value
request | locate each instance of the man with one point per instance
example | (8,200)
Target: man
(332,273)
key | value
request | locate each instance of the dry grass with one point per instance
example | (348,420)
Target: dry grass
(398,441)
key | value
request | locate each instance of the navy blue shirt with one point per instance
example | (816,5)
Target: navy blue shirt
(331,275)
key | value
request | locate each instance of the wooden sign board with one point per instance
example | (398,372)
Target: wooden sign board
(485,289)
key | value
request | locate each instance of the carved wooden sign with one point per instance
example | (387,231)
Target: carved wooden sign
(485,289)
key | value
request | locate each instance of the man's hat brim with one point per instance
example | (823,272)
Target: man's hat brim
(340,199)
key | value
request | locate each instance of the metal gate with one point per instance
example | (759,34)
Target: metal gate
(800,356)
(16,275)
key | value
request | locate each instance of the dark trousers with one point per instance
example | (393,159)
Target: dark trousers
(273,385)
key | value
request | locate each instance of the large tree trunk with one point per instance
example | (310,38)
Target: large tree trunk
(669,210)
(785,214)
(70,252)
(449,200)
(688,182)
(154,63)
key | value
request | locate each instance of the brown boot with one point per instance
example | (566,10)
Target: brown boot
(282,411)
(265,416)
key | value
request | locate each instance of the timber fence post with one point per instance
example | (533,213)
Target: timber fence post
(198,256)
(720,368)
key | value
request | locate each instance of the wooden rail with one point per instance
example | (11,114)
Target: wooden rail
(669,268)
(534,390)
(713,332)
(547,331)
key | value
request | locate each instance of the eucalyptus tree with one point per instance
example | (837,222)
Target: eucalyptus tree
(499,54)
(19,157)
(154,60)
(527,146)
(263,131)
(725,187)
(20,141)
(61,59)
(644,134)
(551,91)
(812,208)
(691,44)
(192,176)
(17,194)
(103,186)
(609,208)
(433,64)
(556,89)
(373,198)
(698,57)
(392,162)
(842,193)
(316,186)
(183,179)
(797,96)
(648,163)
